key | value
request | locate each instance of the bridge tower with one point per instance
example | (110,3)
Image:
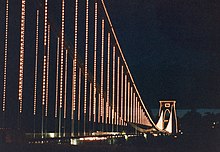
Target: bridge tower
(167,116)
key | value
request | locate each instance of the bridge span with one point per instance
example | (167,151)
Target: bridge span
(68,77)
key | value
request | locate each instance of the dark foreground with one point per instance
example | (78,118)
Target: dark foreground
(134,145)
(103,148)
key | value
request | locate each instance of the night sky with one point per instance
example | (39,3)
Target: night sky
(172,48)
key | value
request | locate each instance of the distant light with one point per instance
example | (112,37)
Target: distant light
(126,137)
(73,142)
(123,133)
(145,135)
(51,135)
(92,138)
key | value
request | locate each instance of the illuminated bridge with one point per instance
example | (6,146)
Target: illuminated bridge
(63,72)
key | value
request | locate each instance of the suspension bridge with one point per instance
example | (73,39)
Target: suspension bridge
(64,72)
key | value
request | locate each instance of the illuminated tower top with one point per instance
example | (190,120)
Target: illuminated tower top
(167,116)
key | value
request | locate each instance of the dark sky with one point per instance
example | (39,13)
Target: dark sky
(172,48)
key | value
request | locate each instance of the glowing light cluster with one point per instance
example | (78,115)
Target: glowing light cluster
(108,80)
(86,56)
(102,70)
(94,72)
(62,53)
(48,67)
(92,138)
(57,76)
(36,62)
(5,59)
(21,61)
(75,61)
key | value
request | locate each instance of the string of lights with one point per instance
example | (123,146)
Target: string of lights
(128,106)
(57,76)
(118,84)
(122,93)
(36,61)
(138,113)
(21,59)
(125,99)
(94,73)
(61,64)
(102,70)
(113,85)
(108,78)
(48,64)
(62,53)
(65,82)
(5,58)
(131,108)
(36,68)
(136,110)
(44,68)
(75,61)
(86,58)
(99,108)
(79,93)
(90,101)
